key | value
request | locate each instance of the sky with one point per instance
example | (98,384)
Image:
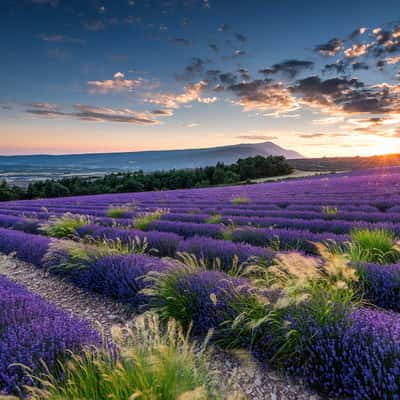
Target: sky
(79,76)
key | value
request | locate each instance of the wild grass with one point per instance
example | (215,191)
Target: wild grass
(214,219)
(227,231)
(201,263)
(164,297)
(152,363)
(117,211)
(329,211)
(65,226)
(300,289)
(143,220)
(134,245)
(243,199)
(374,246)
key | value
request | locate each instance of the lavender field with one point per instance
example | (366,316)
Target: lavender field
(303,274)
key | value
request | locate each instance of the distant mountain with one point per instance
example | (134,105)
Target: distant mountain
(43,166)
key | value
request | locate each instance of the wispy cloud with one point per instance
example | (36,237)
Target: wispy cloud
(52,3)
(191,93)
(181,41)
(256,137)
(94,25)
(291,68)
(264,96)
(85,112)
(330,48)
(60,39)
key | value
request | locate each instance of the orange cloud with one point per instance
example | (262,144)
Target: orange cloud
(118,84)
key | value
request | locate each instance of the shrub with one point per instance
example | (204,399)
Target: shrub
(165,243)
(240,200)
(187,229)
(380,284)
(374,246)
(193,297)
(143,220)
(118,211)
(355,357)
(214,219)
(211,249)
(134,245)
(329,211)
(92,268)
(152,364)
(27,247)
(65,226)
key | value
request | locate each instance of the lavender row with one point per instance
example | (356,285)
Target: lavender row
(33,331)
(283,239)
(355,355)
(116,276)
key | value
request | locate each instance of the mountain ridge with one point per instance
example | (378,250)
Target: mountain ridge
(150,160)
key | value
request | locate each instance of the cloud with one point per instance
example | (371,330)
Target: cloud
(193,70)
(339,67)
(359,66)
(264,95)
(392,60)
(191,125)
(60,39)
(327,120)
(116,85)
(191,93)
(94,25)
(58,54)
(51,3)
(180,40)
(357,50)
(357,32)
(235,54)
(6,107)
(257,137)
(224,28)
(330,48)
(291,68)
(312,135)
(335,94)
(240,37)
(213,47)
(162,113)
(244,74)
(44,106)
(227,78)
(93,114)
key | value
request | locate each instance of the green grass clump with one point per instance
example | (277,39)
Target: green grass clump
(152,363)
(306,289)
(375,246)
(240,200)
(143,220)
(214,219)
(329,211)
(65,226)
(134,245)
(117,211)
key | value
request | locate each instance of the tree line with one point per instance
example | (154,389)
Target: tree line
(241,171)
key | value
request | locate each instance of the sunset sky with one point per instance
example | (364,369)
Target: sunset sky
(321,78)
